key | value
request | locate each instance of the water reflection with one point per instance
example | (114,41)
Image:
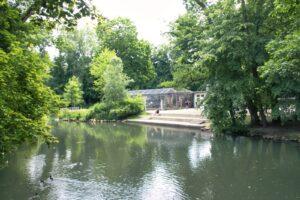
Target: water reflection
(160,179)
(198,151)
(145,162)
(35,167)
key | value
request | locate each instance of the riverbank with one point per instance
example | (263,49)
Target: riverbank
(290,132)
(193,119)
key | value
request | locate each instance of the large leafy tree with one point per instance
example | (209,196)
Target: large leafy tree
(281,71)
(222,45)
(25,100)
(98,67)
(115,82)
(186,34)
(73,92)
(76,51)
(120,35)
(236,50)
(162,62)
(282,75)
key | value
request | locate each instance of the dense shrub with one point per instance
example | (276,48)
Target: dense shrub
(117,111)
(66,114)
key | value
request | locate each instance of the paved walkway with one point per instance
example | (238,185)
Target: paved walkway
(188,118)
(188,111)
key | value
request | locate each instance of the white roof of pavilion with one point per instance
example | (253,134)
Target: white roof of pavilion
(156,91)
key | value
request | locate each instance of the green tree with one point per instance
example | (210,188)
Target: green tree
(162,62)
(120,35)
(25,100)
(282,75)
(281,71)
(186,34)
(115,82)
(223,45)
(73,92)
(98,67)
(116,103)
(76,51)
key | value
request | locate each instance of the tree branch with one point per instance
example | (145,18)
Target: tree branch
(201,4)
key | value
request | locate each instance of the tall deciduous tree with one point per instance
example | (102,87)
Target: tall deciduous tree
(223,45)
(120,35)
(186,34)
(76,51)
(25,100)
(73,92)
(162,62)
(115,82)
(98,67)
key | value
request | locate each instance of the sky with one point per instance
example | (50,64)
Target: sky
(151,17)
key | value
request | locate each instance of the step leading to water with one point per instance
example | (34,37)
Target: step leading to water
(167,123)
(192,119)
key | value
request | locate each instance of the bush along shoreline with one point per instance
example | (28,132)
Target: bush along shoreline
(100,112)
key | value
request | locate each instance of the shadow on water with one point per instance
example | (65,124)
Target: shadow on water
(121,161)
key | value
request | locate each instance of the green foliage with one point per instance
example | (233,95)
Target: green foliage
(53,12)
(117,110)
(98,67)
(162,64)
(25,101)
(120,35)
(73,92)
(67,114)
(246,53)
(116,104)
(115,82)
(282,75)
(167,84)
(76,51)
(226,113)
(186,34)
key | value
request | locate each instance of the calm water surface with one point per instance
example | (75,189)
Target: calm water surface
(146,162)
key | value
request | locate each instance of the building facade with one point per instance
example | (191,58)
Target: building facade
(168,98)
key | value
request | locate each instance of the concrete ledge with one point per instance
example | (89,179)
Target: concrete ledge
(166,123)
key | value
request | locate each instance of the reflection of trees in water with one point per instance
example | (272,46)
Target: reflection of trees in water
(185,153)
(144,156)
(170,136)
(112,148)
(228,168)
(244,168)
(24,166)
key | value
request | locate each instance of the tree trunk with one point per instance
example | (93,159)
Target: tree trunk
(263,116)
(232,117)
(253,113)
(275,118)
(231,112)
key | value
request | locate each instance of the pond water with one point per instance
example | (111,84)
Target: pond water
(119,161)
